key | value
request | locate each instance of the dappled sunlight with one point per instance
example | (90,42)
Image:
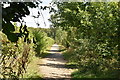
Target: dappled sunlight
(63,41)
(53,65)
(54,49)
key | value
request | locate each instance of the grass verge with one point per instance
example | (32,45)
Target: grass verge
(33,71)
(83,73)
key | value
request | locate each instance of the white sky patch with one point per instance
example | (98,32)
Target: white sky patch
(42,20)
(31,22)
(6,5)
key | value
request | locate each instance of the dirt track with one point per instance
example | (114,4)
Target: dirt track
(53,66)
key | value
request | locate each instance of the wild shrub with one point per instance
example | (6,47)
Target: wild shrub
(14,57)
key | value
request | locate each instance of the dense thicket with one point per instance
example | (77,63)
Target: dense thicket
(18,44)
(15,13)
(15,57)
(92,30)
(89,30)
(41,39)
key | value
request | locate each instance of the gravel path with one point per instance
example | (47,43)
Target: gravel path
(53,66)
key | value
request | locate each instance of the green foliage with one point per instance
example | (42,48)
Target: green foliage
(59,37)
(17,44)
(14,57)
(33,71)
(41,41)
(92,34)
(14,13)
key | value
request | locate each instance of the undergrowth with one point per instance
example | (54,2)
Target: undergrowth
(83,72)
(33,71)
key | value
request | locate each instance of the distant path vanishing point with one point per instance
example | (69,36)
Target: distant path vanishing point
(53,66)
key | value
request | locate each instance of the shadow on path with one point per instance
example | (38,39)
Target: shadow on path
(53,66)
(54,50)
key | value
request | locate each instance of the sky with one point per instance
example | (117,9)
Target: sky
(31,22)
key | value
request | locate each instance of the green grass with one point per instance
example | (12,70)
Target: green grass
(84,73)
(44,54)
(71,65)
(89,74)
(69,56)
(33,71)
(62,48)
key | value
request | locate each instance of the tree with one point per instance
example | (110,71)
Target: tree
(14,13)
(92,31)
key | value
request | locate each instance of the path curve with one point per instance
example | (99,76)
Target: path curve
(53,66)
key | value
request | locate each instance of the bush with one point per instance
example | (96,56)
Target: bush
(92,63)
(41,41)
(14,57)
